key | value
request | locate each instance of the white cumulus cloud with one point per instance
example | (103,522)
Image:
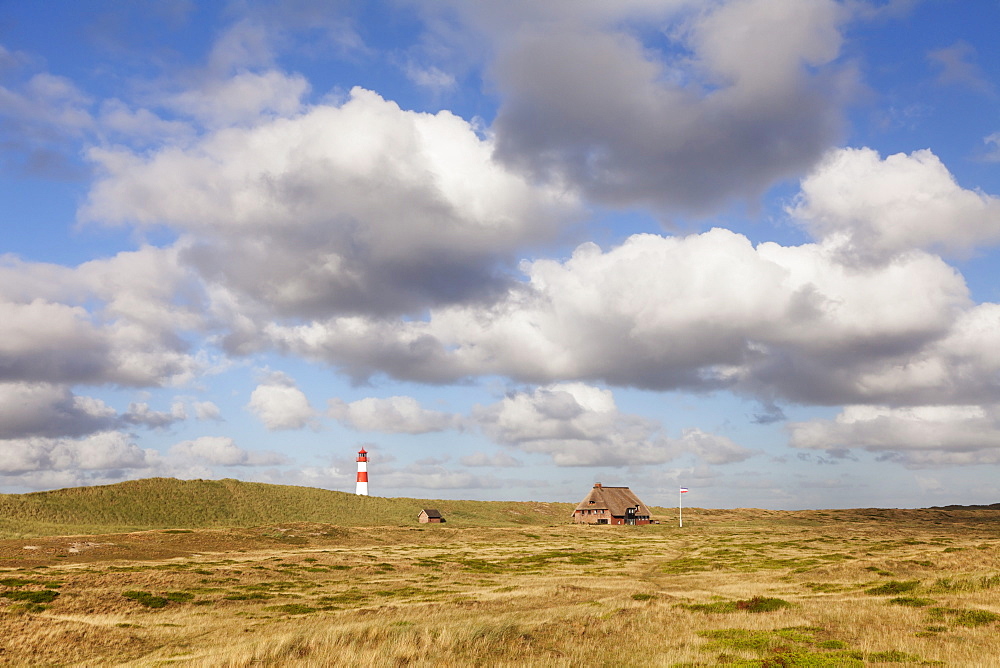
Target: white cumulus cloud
(876,208)
(279,404)
(223,451)
(362,207)
(392,415)
(917,436)
(580,425)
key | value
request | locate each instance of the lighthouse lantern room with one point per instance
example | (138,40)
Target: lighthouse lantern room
(362,488)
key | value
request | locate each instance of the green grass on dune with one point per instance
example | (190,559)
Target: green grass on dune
(159,503)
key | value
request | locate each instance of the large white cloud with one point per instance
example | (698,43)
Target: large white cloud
(115,320)
(876,208)
(704,311)
(223,451)
(106,450)
(580,425)
(361,207)
(49,411)
(281,405)
(715,100)
(960,368)
(44,410)
(392,415)
(917,436)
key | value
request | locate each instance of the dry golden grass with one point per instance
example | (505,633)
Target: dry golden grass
(862,588)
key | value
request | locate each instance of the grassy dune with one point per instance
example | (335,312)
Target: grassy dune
(865,587)
(169,503)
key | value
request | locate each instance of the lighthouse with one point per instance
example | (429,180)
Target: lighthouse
(362,488)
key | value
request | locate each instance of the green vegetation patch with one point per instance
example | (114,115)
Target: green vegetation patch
(964,617)
(247,596)
(755,604)
(762,604)
(718,606)
(351,597)
(800,646)
(742,640)
(893,587)
(30,596)
(826,587)
(17,582)
(145,598)
(892,656)
(179,596)
(800,634)
(912,601)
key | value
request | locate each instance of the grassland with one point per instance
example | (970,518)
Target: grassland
(733,587)
(158,503)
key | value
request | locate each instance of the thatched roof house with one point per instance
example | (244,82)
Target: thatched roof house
(611,505)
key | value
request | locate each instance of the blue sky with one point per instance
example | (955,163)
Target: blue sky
(512,249)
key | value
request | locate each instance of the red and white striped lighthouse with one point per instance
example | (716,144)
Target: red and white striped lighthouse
(362,487)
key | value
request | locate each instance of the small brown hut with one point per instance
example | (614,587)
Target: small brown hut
(430,516)
(611,505)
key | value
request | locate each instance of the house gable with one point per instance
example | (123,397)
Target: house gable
(430,515)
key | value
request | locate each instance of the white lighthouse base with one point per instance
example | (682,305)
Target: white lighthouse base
(362,489)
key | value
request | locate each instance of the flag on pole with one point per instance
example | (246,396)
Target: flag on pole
(680,506)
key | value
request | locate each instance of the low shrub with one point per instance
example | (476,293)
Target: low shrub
(762,604)
(16,582)
(755,604)
(179,596)
(146,599)
(912,601)
(892,656)
(247,596)
(893,587)
(976,617)
(718,606)
(44,596)
(964,617)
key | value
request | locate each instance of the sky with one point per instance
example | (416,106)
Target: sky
(747,247)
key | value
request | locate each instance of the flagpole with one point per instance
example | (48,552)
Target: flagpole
(680,508)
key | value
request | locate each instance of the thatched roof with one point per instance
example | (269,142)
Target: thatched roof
(430,512)
(614,499)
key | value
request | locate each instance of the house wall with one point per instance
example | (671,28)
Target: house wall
(579,517)
(592,517)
